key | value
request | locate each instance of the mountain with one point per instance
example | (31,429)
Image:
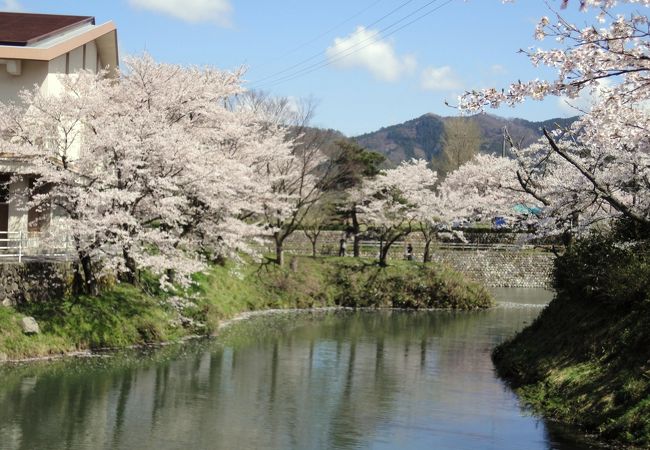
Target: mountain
(422,137)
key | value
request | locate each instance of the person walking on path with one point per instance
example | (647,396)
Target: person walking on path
(409,252)
(342,247)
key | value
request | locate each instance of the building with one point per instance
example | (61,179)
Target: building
(37,50)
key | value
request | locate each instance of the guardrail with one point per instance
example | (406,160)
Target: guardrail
(454,245)
(370,249)
(20,245)
(11,245)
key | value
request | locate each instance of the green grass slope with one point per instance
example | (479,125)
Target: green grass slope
(586,359)
(126,315)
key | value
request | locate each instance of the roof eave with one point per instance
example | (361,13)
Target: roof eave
(108,31)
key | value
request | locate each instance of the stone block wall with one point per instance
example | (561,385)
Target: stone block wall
(36,282)
(502,268)
(32,282)
(492,267)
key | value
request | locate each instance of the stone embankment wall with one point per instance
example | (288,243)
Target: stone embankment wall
(502,268)
(32,282)
(490,267)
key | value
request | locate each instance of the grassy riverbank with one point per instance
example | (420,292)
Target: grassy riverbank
(586,359)
(126,315)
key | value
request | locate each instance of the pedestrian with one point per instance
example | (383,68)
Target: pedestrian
(342,247)
(409,252)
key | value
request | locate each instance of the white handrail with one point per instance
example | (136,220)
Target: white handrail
(18,245)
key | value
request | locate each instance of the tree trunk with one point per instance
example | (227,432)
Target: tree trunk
(171,275)
(427,251)
(356,228)
(567,239)
(279,251)
(384,246)
(313,240)
(77,281)
(130,275)
(383,254)
(91,287)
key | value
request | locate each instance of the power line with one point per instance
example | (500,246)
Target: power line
(358,46)
(322,52)
(317,66)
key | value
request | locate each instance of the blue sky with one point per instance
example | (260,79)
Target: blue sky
(465,44)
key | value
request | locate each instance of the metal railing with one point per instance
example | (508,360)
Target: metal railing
(370,248)
(21,245)
(11,245)
(17,246)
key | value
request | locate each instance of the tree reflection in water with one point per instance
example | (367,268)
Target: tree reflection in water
(339,380)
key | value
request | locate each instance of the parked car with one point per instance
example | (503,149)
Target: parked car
(499,222)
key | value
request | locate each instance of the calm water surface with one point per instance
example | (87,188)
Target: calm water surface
(336,380)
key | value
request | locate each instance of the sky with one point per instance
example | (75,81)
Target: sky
(366,63)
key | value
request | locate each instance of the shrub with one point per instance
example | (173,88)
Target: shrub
(409,287)
(601,268)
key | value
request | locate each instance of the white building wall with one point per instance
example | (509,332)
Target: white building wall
(76,60)
(47,76)
(56,69)
(69,63)
(81,58)
(91,57)
(33,73)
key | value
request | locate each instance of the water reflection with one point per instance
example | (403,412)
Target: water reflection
(343,380)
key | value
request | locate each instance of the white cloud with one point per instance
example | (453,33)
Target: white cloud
(368,51)
(11,6)
(216,11)
(439,79)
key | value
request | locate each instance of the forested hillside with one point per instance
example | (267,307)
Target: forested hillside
(423,137)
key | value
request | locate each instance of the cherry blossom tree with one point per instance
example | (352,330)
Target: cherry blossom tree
(299,184)
(409,198)
(314,223)
(388,202)
(299,179)
(485,186)
(600,166)
(430,211)
(152,170)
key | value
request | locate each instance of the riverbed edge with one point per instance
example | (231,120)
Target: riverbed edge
(222,296)
(103,352)
(578,364)
(240,317)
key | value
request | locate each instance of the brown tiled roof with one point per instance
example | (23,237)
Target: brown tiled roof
(21,29)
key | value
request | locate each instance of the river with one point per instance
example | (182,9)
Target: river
(320,380)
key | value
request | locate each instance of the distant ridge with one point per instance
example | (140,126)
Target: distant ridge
(422,137)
